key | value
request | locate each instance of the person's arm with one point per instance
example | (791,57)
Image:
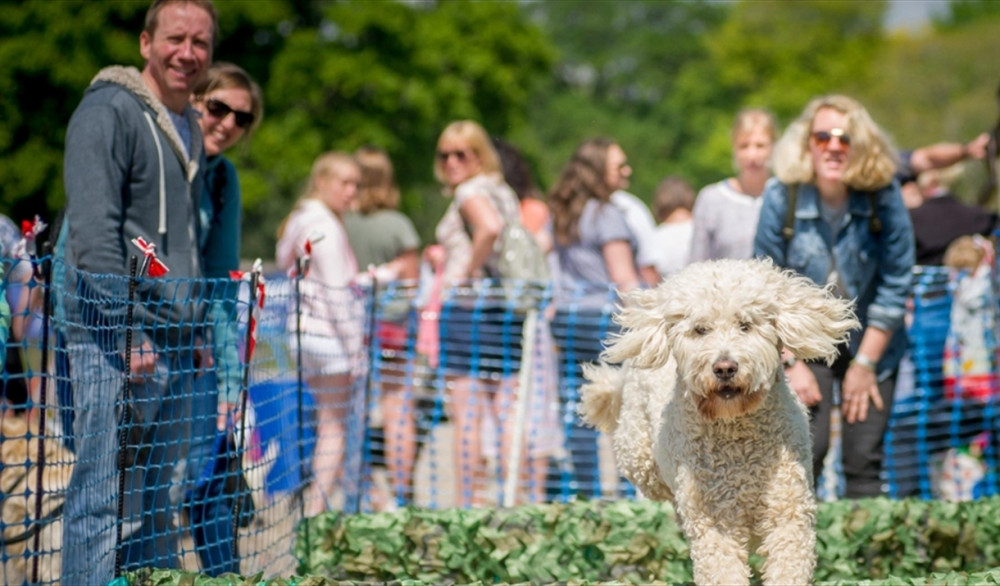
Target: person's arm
(861,380)
(96,167)
(221,252)
(650,276)
(946,154)
(621,266)
(20,289)
(644,226)
(485,225)
(769,241)
(408,263)
(887,310)
(801,379)
(225,351)
(95,170)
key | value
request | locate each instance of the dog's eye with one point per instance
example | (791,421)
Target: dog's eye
(700,330)
(745,326)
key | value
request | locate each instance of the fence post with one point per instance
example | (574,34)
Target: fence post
(524,389)
(126,414)
(300,269)
(366,396)
(244,393)
(42,270)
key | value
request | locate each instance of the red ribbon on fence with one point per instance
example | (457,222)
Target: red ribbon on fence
(152,266)
(258,306)
(306,256)
(26,246)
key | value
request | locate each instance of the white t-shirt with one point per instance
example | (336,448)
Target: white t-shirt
(672,243)
(725,223)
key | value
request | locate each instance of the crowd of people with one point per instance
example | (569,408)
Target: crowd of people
(830,198)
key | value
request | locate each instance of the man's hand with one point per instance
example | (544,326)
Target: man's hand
(203,359)
(142,362)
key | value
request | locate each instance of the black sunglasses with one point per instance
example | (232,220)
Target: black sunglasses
(460,155)
(220,110)
(823,137)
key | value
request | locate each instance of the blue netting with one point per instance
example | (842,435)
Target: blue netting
(359,399)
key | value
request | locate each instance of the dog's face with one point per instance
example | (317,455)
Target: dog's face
(726,357)
(725,323)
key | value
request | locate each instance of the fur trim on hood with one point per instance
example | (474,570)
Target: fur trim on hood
(131,79)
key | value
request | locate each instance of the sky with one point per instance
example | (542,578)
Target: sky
(912,14)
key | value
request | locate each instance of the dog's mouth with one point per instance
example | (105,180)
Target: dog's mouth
(728,392)
(728,402)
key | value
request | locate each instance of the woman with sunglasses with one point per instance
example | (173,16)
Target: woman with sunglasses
(480,349)
(231,106)
(834,214)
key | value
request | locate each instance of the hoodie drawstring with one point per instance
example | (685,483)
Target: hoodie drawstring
(162,229)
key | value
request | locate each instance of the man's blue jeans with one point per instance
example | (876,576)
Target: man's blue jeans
(91,508)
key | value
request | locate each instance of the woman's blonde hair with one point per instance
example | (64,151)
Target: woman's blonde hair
(324,166)
(378,190)
(478,140)
(871,160)
(749,119)
(223,76)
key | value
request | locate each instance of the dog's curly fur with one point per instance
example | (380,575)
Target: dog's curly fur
(700,412)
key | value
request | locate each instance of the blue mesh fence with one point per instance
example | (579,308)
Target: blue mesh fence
(361,399)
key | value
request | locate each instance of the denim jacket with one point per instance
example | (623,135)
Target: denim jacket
(875,268)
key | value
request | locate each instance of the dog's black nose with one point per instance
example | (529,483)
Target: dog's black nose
(725,369)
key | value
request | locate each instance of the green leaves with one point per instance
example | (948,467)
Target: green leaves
(639,542)
(867,542)
(594,540)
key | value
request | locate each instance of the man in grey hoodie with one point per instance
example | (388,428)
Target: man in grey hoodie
(132,170)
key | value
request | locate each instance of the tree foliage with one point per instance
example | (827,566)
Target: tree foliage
(663,78)
(391,75)
(49,52)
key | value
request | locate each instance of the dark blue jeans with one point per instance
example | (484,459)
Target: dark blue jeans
(208,508)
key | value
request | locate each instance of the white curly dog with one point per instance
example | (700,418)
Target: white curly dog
(700,413)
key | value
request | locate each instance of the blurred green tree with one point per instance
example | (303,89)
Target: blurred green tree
(49,52)
(667,78)
(390,74)
(620,68)
(663,78)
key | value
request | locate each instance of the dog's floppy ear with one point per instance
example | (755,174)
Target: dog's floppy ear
(811,320)
(646,318)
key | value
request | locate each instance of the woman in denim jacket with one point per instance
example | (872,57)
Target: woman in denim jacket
(848,230)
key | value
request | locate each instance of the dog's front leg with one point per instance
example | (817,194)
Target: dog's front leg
(719,554)
(789,544)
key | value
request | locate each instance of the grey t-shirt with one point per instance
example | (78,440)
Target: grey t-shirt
(583,260)
(380,236)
